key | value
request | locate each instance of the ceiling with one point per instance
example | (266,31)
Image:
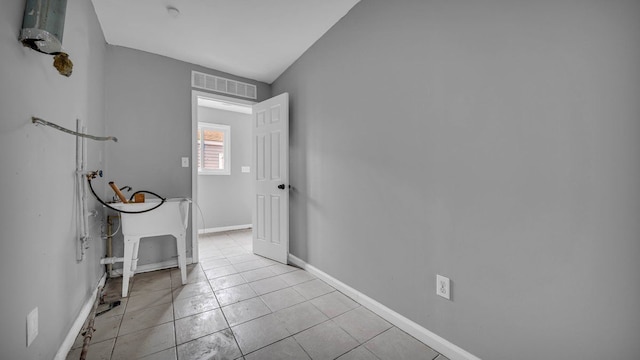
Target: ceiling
(255,39)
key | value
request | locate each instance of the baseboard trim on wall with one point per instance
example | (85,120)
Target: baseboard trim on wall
(77,324)
(436,342)
(167,264)
(224,228)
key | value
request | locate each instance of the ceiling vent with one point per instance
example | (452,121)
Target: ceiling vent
(219,84)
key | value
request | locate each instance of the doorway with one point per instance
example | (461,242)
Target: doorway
(221,165)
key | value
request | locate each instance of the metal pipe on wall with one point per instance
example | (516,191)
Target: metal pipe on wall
(80,209)
(109,246)
(88,334)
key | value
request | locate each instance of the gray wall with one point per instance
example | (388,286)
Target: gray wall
(225,200)
(148,107)
(511,133)
(38,229)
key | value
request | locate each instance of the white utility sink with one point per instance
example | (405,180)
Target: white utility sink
(171,218)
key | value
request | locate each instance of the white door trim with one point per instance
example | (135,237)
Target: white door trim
(195,94)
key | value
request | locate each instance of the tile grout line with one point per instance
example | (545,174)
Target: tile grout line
(288,286)
(175,332)
(257,296)
(305,300)
(222,312)
(220,307)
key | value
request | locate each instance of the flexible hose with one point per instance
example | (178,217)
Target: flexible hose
(115,232)
(201,215)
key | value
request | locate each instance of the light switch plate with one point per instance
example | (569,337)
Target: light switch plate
(246,169)
(185,162)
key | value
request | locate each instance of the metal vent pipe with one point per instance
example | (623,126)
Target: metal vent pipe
(43,25)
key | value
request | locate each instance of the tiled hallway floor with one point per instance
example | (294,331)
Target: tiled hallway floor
(237,305)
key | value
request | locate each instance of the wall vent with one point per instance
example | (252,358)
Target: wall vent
(219,84)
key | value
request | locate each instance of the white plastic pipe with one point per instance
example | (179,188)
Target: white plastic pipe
(80,231)
(83,188)
(111,260)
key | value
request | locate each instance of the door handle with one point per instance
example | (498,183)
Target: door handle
(281,186)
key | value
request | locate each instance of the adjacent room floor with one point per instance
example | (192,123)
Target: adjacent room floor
(237,305)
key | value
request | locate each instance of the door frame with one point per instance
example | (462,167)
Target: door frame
(195,94)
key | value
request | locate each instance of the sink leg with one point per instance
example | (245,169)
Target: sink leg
(130,252)
(182,256)
(134,261)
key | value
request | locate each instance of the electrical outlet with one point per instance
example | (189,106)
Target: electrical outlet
(442,287)
(185,162)
(32,326)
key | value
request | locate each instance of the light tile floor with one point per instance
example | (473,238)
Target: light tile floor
(237,305)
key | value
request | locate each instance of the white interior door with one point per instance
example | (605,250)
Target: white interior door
(270,139)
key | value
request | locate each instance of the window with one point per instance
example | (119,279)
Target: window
(214,157)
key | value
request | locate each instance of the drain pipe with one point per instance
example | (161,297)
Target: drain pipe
(88,334)
(110,260)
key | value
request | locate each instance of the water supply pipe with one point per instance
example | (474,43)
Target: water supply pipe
(110,242)
(81,206)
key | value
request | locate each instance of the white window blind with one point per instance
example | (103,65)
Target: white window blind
(214,149)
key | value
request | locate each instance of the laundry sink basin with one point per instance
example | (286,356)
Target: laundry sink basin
(166,218)
(148,204)
(170,218)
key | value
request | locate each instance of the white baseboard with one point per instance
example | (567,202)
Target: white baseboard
(224,228)
(80,320)
(432,340)
(152,267)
